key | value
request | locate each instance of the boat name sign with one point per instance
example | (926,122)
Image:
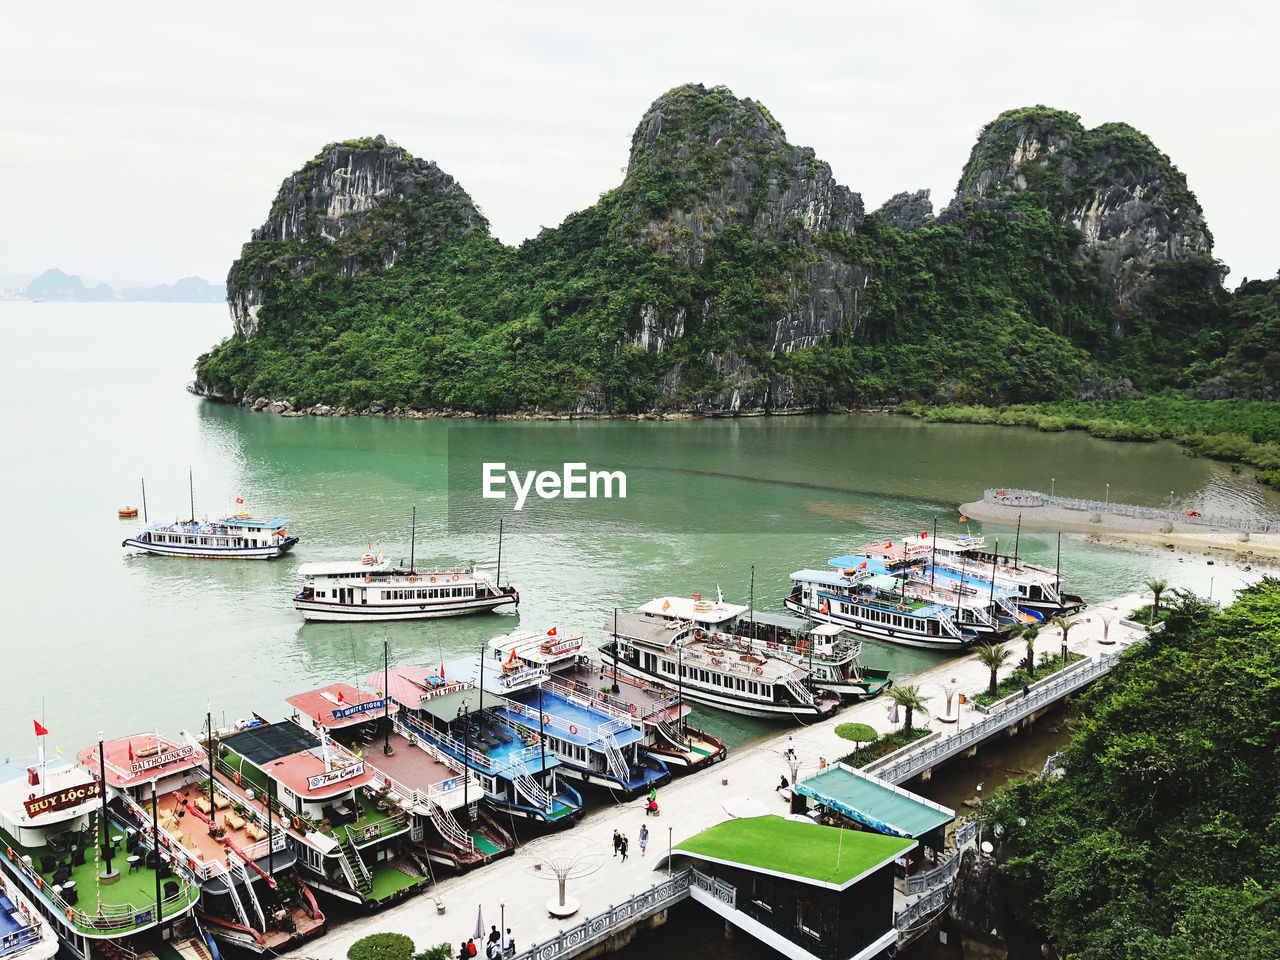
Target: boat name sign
(335,776)
(359,708)
(451,687)
(69,797)
(161,759)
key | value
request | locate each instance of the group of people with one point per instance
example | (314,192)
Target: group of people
(494,947)
(620,842)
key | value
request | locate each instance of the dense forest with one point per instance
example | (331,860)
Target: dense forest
(704,282)
(1162,841)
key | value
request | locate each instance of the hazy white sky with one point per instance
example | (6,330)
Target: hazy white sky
(144,141)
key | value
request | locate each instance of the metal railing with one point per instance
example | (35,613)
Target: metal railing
(1016,708)
(931,878)
(925,905)
(575,940)
(1034,498)
(724,892)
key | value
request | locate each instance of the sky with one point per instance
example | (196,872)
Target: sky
(142,142)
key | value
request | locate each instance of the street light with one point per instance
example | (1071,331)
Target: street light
(1052,481)
(1108,494)
(1170,499)
(668,850)
(502,923)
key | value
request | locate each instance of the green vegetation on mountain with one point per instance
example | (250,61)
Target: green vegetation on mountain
(729,271)
(1162,841)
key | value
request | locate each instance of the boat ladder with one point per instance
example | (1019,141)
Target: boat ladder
(531,789)
(449,827)
(248,886)
(949,625)
(1009,607)
(671,734)
(235,897)
(612,753)
(797,690)
(1050,591)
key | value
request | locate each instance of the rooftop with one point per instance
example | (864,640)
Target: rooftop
(882,806)
(261,745)
(691,608)
(142,758)
(59,778)
(808,852)
(339,705)
(412,685)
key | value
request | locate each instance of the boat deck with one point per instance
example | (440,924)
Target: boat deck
(183,811)
(648,701)
(409,764)
(571,721)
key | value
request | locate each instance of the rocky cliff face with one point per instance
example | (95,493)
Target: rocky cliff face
(358,205)
(703,160)
(1130,203)
(906,211)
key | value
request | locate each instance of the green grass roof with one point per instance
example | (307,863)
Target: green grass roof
(810,852)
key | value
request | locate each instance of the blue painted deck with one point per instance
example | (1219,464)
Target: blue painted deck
(949,577)
(585,719)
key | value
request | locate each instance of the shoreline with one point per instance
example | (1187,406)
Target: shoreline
(1130,531)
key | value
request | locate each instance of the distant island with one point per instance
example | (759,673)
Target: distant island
(56,285)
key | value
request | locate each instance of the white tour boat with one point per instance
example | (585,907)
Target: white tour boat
(372,588)
(235,537)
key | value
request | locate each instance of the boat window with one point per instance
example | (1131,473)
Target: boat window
(191,539)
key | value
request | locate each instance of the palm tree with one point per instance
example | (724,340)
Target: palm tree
(1028,632)
(907,697)
(993,656)
(1064,623)
(1157,586)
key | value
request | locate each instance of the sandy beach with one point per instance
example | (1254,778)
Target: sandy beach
(1262,548)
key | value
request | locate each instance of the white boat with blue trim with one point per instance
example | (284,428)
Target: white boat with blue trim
(234,537)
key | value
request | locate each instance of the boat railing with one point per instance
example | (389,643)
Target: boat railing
(449,743)
(529,713)
(585,702)
(436,791)
(1034,498)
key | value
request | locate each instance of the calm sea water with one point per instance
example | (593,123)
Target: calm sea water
(100,639)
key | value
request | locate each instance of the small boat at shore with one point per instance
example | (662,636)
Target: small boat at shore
(126,512)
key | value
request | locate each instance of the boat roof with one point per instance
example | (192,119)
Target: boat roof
(59,775)
(448,707)
(811,853)
(337,567)
(884,807)
(294,757)
(652,628)
(142,758)
(412,686)
(497,678)
(528,645)
(340,705)
(685,608)
(192,526)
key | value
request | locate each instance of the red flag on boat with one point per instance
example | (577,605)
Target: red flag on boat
(339,696)
(40,730)
(551,632)
(924,536)
(441,671)
(864,565)
(889,545)
(697,596)
(825,608)
(131,751)
(239,499)
(666,605)
(512,658)
(963,518)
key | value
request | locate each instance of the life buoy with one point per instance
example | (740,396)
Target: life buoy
(772,645)
(822,656)
(69,913)
(759,671)
(546,718)
(715,661)
(573,730)
(39,883)
(901,608)
(455,576)
(236,777)
(601,696)
(368,579)
(433,579)
(9,852)
(697,634)
(413,579)
(632,708)
(297,823)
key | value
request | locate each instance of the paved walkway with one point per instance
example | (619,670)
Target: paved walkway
(689,804)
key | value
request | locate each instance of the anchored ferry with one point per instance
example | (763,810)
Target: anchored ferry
(93,876)
(371,588)
(678,653)
(235,537)
(250,894)
(423,779)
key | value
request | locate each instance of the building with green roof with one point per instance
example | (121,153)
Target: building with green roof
(807,890)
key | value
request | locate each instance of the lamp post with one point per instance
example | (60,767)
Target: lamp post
(1170,499)
(463,711)
(502,922)
(668,850)
(1108,494)
(1052,481)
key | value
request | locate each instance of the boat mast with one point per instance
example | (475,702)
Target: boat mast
(413,536)
(497,580)
(542,735)
(993,573)
(107,850)
(208,719)
(1017,536)
(960,586)
(615,649)
(155,833)
(1057,571)
(191,490)
(386,692)
(144,500)
(933,551)
(751,602)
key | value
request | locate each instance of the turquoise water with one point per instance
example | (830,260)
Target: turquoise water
(98,638)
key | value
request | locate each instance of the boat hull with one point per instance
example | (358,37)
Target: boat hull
(887,634)
(730,705)
(213,553)
(325,611)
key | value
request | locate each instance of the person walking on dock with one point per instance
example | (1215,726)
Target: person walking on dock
(622,845)
(617,842)
(644,838)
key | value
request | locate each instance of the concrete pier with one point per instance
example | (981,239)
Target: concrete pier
(691,804)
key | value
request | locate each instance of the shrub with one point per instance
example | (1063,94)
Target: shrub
(382,946)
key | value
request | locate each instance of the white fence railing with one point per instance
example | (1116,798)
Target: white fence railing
(1011,497)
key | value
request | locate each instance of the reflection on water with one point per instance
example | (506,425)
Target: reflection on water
(707,501)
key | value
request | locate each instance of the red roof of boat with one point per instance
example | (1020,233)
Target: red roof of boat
(141,758)
(340,705)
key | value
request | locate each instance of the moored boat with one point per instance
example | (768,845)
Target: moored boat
(233,537)
(374,589)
